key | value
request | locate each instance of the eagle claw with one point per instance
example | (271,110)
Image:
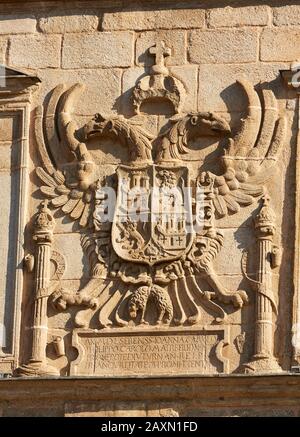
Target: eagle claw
(237,298)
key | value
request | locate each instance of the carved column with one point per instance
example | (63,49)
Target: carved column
(265,306)
(43,236)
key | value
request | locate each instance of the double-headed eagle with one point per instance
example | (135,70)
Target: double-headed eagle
(70,179)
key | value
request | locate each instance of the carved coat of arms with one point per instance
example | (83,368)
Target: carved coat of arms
(149,226)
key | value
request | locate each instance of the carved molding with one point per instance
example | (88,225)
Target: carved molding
(17,88)
(291,80)
(115,355)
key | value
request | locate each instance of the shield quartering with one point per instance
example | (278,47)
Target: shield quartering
(153,215)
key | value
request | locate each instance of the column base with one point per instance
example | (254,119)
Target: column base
(261,364)
(36,369)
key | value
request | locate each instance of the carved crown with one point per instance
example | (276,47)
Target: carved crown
(159,84)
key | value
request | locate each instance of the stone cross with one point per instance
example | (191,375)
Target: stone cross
(160,51)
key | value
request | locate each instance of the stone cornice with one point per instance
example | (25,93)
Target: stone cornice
(283,388)
(136,5)
(70,396)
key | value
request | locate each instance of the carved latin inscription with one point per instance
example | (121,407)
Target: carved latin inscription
(196,351)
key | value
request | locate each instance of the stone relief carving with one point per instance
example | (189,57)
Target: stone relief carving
(43,236)
(239,342)
(266,305)
(150,272)
(139,299)
(160,84)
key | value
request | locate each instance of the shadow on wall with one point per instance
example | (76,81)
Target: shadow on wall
(46,10)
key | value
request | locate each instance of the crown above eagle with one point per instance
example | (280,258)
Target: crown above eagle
(160,84)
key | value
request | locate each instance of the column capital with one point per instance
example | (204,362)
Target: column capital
(264,222)
(43,224)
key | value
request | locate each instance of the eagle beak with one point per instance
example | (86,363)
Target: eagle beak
(221,126)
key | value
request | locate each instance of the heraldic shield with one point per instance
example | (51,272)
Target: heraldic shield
(153,215)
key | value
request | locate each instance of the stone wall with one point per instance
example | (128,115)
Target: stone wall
(104,45)
(229,396)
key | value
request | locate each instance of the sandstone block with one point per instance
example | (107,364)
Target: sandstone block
(237,17)
(175,40)
(286,15)
(188,76)
(234,242)
(35,51)
(12,24)
(6,128)
(67,244)
(280,45)
(106,409)
(10,198)
(147,20)
(103,87)
(68,23)
(226,46)
(3,45)
(218,90)
(6,157)
(130,78)
(107,49)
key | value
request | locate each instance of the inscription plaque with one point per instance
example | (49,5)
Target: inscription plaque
(194,351)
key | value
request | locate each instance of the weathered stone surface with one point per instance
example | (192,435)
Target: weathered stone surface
(143,353)
(68,24)
(103,142)
(102,88)
(6,157)
(226,46)
(148,298)
(218,90)
(234,244)
(6,128)
(5,244)
(276,44)
(244,396)
(189,77)
(12,217)
(238,17)
(67,244)
(3,46)
(109,294)
(104,409)
(151,20)
(12,24)
(98,50)
(286,15)
(175,40)
(130,78)
(35,51)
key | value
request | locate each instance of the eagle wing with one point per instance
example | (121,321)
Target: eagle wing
(62,153)
(251,155)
